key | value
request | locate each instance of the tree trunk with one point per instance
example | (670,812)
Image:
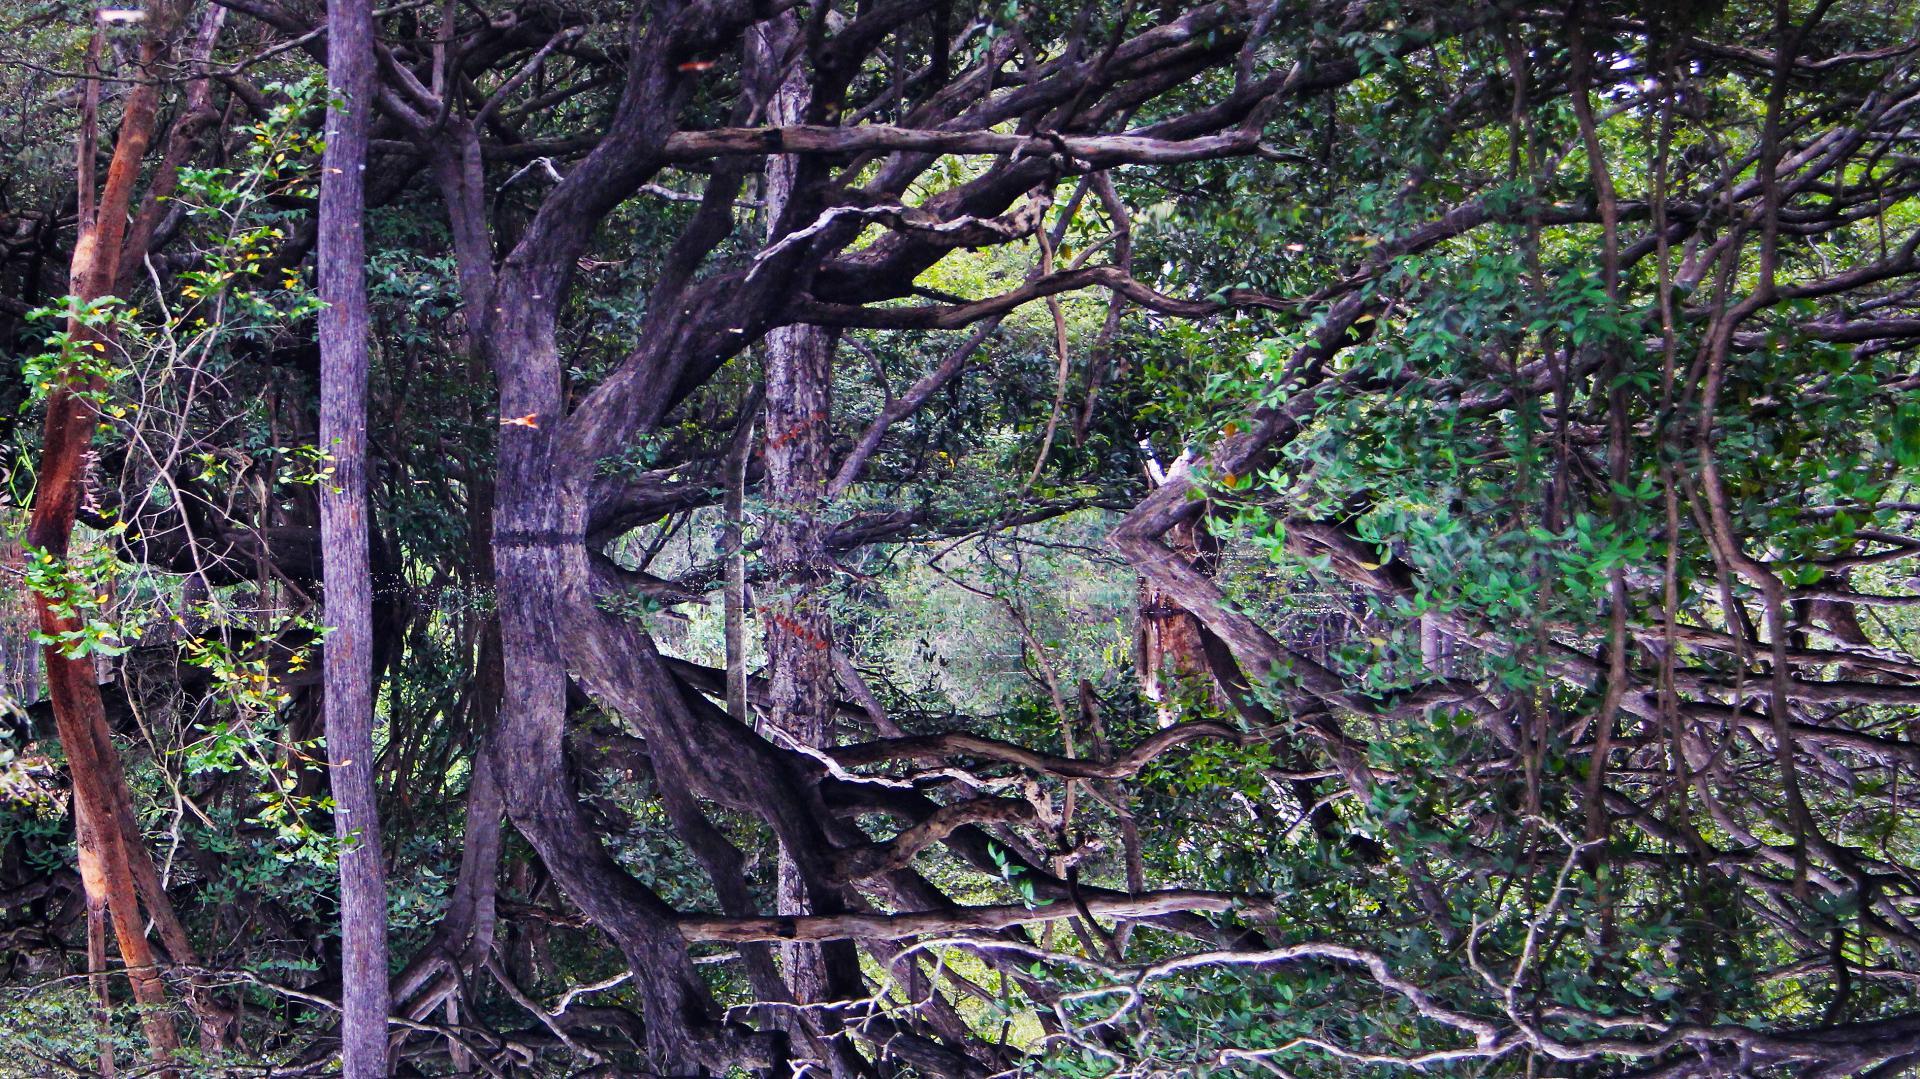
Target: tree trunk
(799,625)
(107,839)
(1171,641)
(348,656)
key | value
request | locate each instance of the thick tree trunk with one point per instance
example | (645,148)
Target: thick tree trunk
(539,570)
(544,592)
(348,656)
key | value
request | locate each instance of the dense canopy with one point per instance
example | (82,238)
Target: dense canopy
(893,538)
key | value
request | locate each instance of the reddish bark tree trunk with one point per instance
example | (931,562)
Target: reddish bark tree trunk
(107,839)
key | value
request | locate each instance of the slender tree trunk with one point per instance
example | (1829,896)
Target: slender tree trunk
(348,658)
(799,374)
(465,936)
(1171,640)
(466,933)
(108,841)
(799,624)
(97,979)
(733,540)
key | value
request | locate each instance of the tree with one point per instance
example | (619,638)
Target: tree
(347,578)
(1491,424)
(115,868)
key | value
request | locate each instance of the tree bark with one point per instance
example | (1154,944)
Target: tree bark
(799,624)
(348,656)
(799,366)
(107,839)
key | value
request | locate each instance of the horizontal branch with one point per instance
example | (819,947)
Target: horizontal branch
(1081,151)
(703,928)
(957,316)
(942,747)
